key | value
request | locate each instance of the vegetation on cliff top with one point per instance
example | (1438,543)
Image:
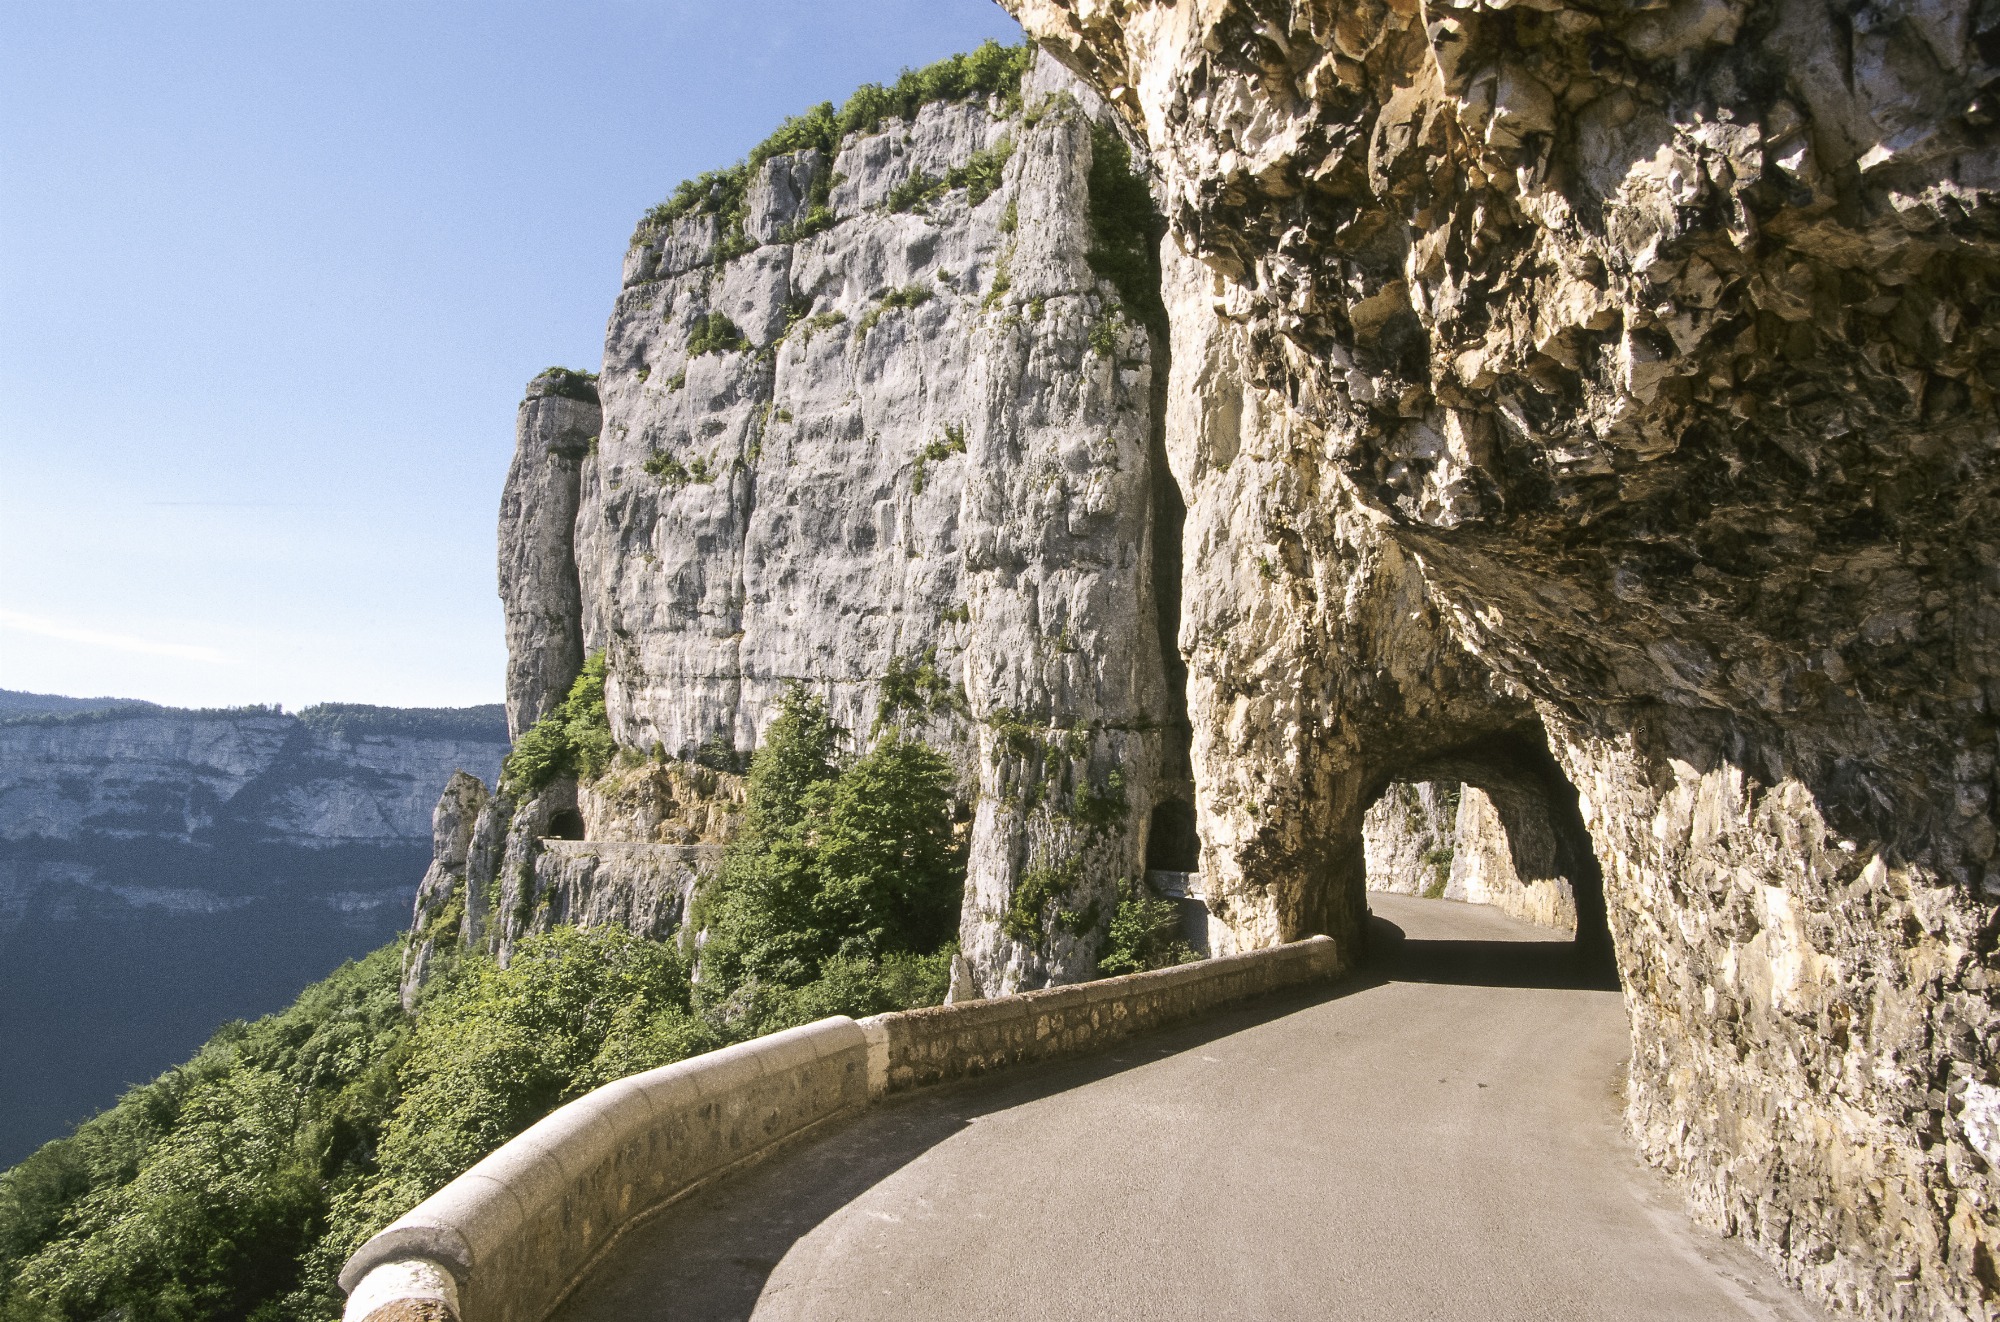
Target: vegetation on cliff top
(992,70)
(567,383)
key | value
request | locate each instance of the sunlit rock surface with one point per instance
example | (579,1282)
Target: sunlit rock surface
(1617,382)
(910,458)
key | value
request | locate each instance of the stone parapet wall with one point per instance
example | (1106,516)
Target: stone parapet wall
(507,1240)
(917,1047)
(514,1233)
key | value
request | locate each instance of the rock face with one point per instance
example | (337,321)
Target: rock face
(1409,839)
(906,452)
(1454,842)
(1600,399)
(328,777)
(556,430)
(452,824)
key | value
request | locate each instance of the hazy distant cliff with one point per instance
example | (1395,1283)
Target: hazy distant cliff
(162,870)
(330,775)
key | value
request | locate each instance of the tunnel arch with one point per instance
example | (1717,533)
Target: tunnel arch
(566,824)
(1515,802)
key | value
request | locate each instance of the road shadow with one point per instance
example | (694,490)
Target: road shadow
(710,1256)
(1557,965)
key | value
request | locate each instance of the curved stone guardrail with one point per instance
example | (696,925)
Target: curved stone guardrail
(507,1240)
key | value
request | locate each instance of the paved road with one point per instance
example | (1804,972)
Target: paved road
(1436,1140)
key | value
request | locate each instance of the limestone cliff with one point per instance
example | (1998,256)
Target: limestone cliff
(81,790)
(890,429)
(1588,405)
(1614,384)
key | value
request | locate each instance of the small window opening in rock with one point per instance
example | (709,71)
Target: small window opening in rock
(566,825)
(1171,842)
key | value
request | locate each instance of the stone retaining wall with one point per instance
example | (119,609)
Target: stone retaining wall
(515,1231)
(505,1241)
(916,1047)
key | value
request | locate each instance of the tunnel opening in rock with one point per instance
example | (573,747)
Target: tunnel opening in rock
(566,825)
(1172,844)
(1493,822)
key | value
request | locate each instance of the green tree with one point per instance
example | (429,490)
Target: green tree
(891,872)
(858,861)
(502,1047)
(574,739)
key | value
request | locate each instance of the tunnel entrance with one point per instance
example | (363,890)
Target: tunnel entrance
(1494,822)
(567,824)
(1172,844)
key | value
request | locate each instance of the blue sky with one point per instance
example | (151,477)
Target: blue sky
(272,276)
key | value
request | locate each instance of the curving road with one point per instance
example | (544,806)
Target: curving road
(1435,1140)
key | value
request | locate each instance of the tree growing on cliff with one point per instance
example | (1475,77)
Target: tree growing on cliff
(572,740)
(856,862)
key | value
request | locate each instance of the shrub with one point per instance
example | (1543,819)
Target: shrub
(715,333)
(914,191)
(1126,227)
(668,469)
(979,177)
(909,296)
(567,383)
(1104,335)
(920,690)
(1101,809)
(1038,902)
(991,70)
(1145,934)
(1003,279)
(953,443)
(572,740)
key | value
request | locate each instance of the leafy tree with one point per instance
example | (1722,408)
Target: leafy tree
(859,861)
(891,872)
(497,1049)
(574,739)
(1145,934)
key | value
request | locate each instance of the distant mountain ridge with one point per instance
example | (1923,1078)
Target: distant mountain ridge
(165,869)
(332,774)
(14,703)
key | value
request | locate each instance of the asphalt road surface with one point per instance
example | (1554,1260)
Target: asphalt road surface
(1435,1139)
